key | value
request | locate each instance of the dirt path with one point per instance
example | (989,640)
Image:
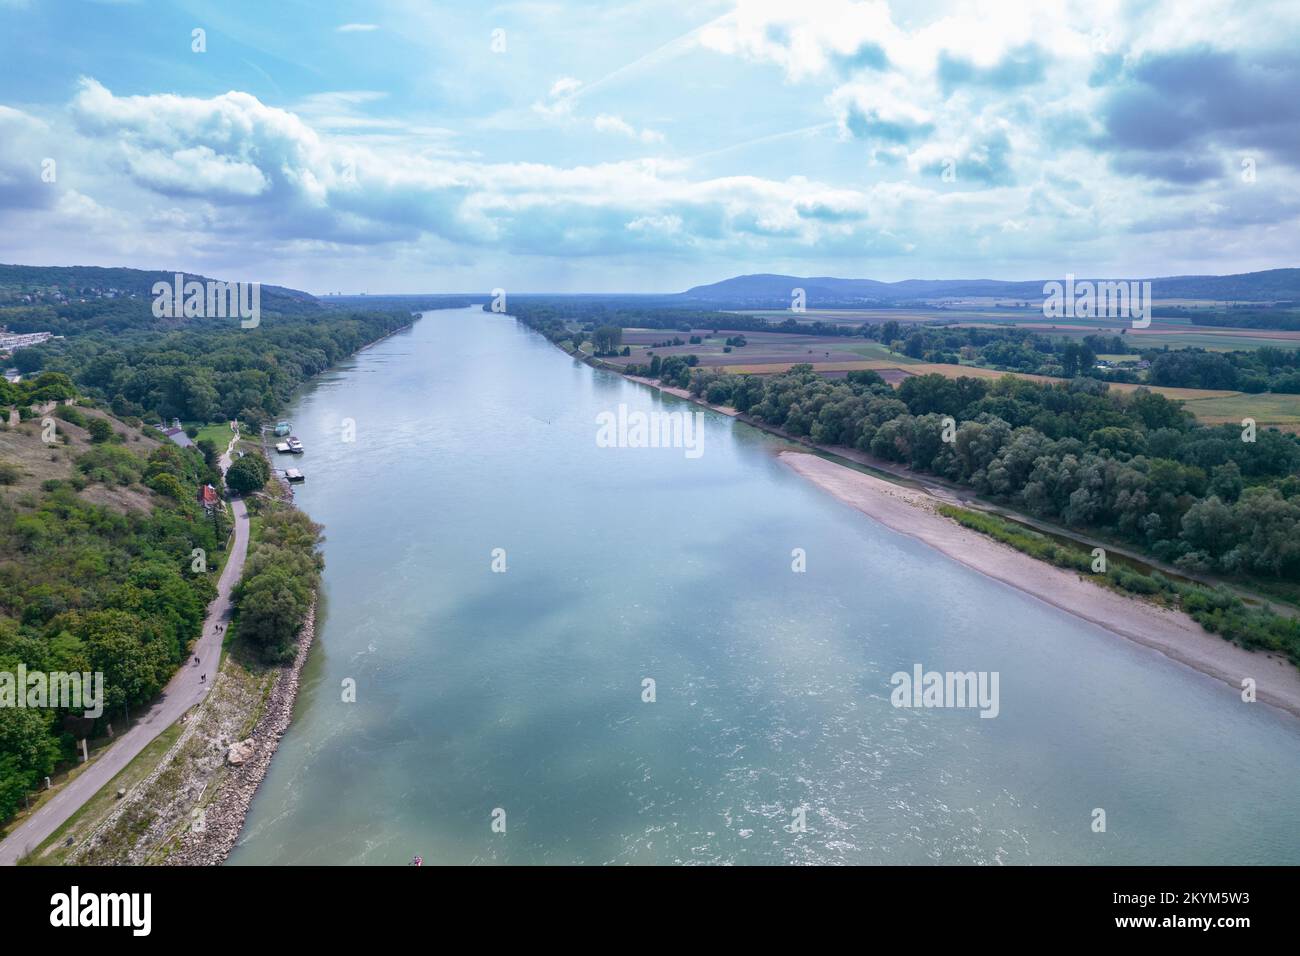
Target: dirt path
(182,692)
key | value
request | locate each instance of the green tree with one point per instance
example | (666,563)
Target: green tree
(248,474)
(606,339)
(100,430)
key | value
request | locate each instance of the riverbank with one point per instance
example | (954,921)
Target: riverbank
(189,807)
(913,512)
(247,763)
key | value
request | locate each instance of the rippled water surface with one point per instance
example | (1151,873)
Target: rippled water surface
(523,690)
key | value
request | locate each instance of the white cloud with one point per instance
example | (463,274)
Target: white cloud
(357,28)
(608,123)
(564,86)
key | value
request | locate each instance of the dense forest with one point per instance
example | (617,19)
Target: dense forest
(86,587)
(208,372)
(1131,467)
(279,583)
(1135,466)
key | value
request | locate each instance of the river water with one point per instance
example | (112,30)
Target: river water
(517,696)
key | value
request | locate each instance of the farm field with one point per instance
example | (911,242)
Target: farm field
(771,353)
(1174,332)
(762,348)
(1282,411)
(1210,406)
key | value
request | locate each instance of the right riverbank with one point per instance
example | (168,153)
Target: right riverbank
(1172,633)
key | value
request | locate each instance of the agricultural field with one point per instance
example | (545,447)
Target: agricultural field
(1282,411)
(770,353)
(1172,332)
(761,348)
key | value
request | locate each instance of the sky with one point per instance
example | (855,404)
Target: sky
(410,146)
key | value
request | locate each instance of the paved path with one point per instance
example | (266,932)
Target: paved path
(182,692)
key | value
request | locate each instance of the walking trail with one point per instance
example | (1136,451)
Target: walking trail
(182,692)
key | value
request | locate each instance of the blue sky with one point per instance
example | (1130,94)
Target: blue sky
(648,146)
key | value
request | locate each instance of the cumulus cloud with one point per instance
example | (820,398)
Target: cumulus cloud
(261,168)
(990,134)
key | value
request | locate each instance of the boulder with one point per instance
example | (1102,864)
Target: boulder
(240,752)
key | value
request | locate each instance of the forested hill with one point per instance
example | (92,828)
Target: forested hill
(196,369)
(775,291)
(69,300)
(98,538)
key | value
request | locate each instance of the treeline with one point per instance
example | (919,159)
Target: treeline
(209,372)
(1009,349)
(23,395)
(1218,610)
(87,588)
(280,580)
(557,319)
(1283,317)
(1132,466)
(1265,369)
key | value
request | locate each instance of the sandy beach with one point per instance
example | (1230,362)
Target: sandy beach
(1172,633)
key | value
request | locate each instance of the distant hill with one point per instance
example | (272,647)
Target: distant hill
(72,283)
(774,291)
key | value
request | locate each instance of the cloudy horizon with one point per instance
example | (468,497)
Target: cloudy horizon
(649,147)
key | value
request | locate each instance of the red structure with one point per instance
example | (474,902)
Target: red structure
(208,497)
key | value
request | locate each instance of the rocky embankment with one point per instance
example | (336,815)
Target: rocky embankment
(213,834)
(190,809)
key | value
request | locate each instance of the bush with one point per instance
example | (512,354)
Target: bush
(100,430)
(110,465)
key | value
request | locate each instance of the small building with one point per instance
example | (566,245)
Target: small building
(209,498)
(177,434)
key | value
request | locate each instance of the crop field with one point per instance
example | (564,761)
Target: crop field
(771,353)
(761,349)
(1172,332)
(1282,411)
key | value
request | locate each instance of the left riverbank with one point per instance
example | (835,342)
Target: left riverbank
(206,761)
(247,761)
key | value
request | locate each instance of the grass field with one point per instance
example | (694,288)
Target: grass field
(218,433)
(1268,409)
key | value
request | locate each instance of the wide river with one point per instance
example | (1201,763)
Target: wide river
(517,695)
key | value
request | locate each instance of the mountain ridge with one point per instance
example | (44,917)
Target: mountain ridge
(1266,285)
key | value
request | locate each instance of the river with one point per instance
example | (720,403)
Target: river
(517,696)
